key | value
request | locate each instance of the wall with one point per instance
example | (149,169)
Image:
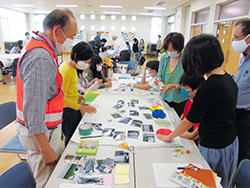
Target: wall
(142,24)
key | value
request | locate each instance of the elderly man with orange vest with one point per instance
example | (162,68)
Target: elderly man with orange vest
(40,98)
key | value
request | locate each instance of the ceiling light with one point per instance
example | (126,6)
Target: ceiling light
(23,5)
(155,8)
(112,12)
(71,6)
(109,6)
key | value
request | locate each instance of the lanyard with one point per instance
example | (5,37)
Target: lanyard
(47,43)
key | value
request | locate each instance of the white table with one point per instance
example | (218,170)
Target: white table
(141,170)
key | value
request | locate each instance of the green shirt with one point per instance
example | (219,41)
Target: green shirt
(90,77)
(174,95)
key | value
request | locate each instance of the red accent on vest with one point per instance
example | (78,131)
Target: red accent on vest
(54,106)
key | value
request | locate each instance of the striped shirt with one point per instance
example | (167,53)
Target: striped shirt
(37,71)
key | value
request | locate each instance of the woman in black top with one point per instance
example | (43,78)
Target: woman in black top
(213,106)
(135,45)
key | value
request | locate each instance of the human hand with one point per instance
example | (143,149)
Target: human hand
(157,81)
(164,137)
(107,84)
(81,97)
(88,109)
(95,79)
(100,82)
(49,156)
(167,88)
(129,85)
(187,135)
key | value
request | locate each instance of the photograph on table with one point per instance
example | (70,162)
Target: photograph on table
(108,132)
(143,108)
(147,128)
(115,115)
(148,137)
(132,134)
(119,135)
(106,166)
(124,120)
(95,126)
(148,116)
(121,157)
(133,113)
(118,106)
(136,123)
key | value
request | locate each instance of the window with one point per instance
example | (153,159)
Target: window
(113,17)
(202,16)
(133,18)
(82,27)
(102,28)
(155,29)
(92,17)
(92,27)
(103,17)
(171,20)
(112,28)
(11,20)
(123,17)
(234,9)
(82,17)
(38,22)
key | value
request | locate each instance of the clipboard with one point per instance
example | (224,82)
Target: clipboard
(90,96)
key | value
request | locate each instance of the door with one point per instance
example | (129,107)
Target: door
(197,30)
(225,36)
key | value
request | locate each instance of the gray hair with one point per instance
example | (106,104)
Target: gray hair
(114,37)
(57,17)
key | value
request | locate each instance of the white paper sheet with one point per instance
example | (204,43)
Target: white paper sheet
(71,185)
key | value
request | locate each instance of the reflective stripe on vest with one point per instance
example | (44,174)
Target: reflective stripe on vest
(54,106)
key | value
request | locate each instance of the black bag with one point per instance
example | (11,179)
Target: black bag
(142,60)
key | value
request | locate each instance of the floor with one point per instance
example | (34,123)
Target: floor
(7,94)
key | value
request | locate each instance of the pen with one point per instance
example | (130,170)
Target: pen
(183,168)
(91,136)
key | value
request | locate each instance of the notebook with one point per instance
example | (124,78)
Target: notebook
(90,96)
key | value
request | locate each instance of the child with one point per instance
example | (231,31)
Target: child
(214,107)
(83,85)
(95,71)
(80,56)
(189,88)
(151,69)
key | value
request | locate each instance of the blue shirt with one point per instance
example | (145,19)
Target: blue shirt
(243,82)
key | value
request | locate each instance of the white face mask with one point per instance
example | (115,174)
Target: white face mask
(240,46)
(81,65)
(173,54)
(98,68)
(84,74)
(66,45)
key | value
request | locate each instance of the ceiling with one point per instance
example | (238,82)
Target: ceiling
(129,7)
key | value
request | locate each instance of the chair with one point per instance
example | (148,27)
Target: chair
(19,175)
(8,115)
(242,176)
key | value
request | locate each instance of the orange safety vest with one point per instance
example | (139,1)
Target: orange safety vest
(54,106)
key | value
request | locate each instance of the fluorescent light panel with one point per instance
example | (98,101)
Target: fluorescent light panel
(71,6)
(109,6)
(155,8)
(147,14)
(23,5)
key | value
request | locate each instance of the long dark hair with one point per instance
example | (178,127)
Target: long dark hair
(201,55)
(96,60)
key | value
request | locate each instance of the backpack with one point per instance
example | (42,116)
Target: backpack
(142,60)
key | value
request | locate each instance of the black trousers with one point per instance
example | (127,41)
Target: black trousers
(178,107)
(242,124)
(71,118)
(125,55)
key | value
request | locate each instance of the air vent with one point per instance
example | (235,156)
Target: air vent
(150,11)
(159,3)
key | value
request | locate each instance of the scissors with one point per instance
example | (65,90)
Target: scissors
(126,146)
